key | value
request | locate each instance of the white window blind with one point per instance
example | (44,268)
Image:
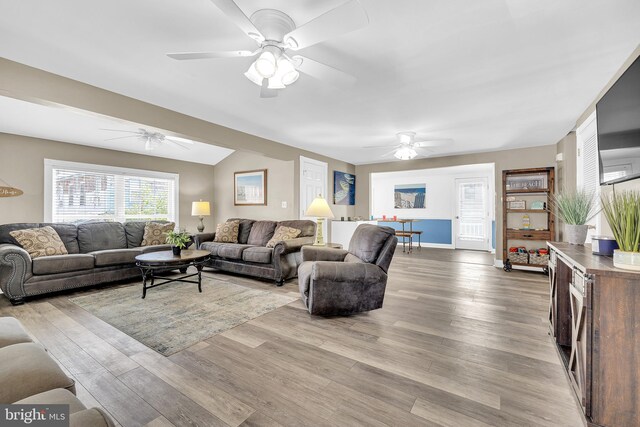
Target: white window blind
(588,169)
(77,192)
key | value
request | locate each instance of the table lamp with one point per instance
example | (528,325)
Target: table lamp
(320,209)
(200,209)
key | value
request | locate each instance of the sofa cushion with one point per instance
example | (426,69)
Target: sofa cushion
(211,247)
(257,254)
(57,396)
(261,232)
(367,241)
(94,417)
(6,229)
(282,233)
(134,231)
(40,242)
(62,263)
(245,229)
(116,256)
(227,232)
(12,332)
(155,248)
(97,236)
(307,228)
(26,369)
(231,250)
(155,233)
(68,234)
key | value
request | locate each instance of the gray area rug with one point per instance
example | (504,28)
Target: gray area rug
(176,316)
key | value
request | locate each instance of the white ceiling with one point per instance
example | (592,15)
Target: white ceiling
(491,74)
(75,127)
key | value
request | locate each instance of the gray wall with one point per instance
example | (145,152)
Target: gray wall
(22,166)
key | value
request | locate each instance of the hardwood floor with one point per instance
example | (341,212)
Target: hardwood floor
(458,343)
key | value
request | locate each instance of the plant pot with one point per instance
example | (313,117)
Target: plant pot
(176,250)
(626,260)
(576,234)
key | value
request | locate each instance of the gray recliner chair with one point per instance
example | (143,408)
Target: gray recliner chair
(341,282)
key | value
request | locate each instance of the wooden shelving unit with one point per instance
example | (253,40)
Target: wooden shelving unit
(530,184)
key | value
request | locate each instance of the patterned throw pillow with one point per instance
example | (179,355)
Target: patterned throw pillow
(227,232)
(155,233)
(283,233)
(40,242)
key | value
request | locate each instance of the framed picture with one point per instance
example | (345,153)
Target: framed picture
(410,196)
(344,188)
(250,188)
(517,204)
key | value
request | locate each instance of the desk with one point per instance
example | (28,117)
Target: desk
(405,233)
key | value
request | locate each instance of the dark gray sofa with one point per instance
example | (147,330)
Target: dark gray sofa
(251,257)
(99,252)
(339,282)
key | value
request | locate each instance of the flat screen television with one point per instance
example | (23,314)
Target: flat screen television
(618,115)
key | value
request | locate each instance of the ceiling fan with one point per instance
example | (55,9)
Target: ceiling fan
(407,147)
(152,140)
(277,66)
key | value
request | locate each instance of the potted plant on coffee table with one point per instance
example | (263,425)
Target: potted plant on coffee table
(178,241)
(575,209)
(622,211)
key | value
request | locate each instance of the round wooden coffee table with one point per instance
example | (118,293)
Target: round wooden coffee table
(151,262)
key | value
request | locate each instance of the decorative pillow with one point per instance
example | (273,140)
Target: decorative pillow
(283,233)
(155,233)
(227,232)
(40,242)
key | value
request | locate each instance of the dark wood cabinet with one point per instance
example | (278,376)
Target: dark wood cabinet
(594,315)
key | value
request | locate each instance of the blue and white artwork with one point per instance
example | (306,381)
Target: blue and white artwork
(344,188)
(410,196)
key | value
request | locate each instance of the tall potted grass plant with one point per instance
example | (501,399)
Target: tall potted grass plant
(622,211)
(575,209)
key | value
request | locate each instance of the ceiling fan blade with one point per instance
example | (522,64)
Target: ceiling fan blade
(211,55)
(379,146)
(177,143)
(121,137)
(120,130)
(237,16)
(343,19)
(323,72)
(387,154)
(265,92)
(432,143)
(178,140)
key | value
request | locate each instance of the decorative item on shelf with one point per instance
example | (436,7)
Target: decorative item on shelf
(539,256)
(321,210)
(526,222)
(200,209)
(9,191)
(178,241)
(538,205)
(510,199)
(517,204)
(250,188)
(603,245)
(622,210)
(518,255)
(575,209)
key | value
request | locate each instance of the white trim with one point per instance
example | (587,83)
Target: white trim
(50,164)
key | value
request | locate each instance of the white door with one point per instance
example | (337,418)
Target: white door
(472,214)
(313,181)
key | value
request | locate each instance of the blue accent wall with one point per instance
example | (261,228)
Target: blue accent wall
(493,234)
(433,230)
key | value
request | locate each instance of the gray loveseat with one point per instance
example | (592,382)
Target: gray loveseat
(99,252)
(251,257)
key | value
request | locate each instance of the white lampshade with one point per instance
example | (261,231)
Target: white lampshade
(319,208)
(405,153)
(266,64)
(252,74)
(200,208)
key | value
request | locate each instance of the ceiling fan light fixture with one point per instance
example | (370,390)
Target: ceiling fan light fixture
(287,72)
(406,137)
(266,64)
(151,144)
(405,153)
(253,75)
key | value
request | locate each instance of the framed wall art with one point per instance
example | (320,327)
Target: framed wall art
(250,188)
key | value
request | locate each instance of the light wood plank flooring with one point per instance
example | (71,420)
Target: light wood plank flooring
(458,343)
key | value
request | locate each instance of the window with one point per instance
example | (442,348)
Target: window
(588,169)
(77,192)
